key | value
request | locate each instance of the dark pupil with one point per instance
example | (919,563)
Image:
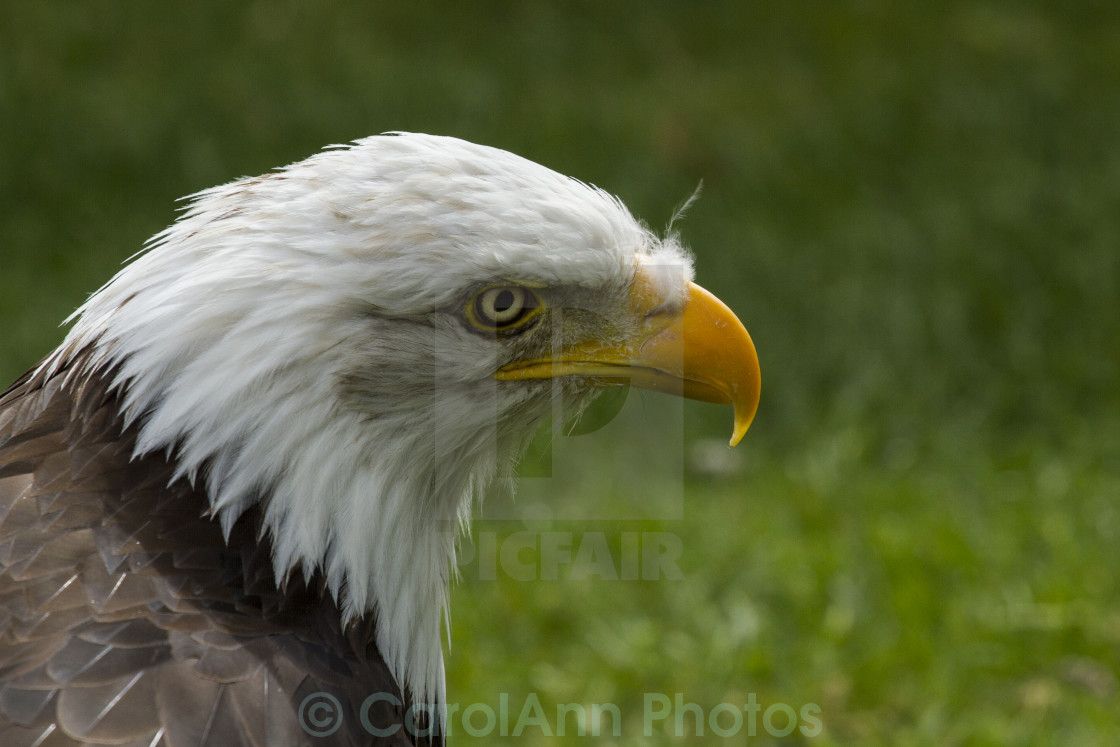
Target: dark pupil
(504,301)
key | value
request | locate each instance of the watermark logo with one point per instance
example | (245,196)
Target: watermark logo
(320,715)
(727,719)
(636,434)
(578,556)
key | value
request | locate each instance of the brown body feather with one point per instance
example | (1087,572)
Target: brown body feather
(127,618)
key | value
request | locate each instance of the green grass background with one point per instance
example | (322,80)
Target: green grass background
(915,209)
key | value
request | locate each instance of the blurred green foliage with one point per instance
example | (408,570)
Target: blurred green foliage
(915,208)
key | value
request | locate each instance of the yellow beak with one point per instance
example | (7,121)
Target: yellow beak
(701,352)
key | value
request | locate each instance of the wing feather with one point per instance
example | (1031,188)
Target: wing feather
(127,618)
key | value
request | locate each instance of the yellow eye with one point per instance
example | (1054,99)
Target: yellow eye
(503,307)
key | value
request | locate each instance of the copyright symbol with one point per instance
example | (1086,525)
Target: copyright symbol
(320,714)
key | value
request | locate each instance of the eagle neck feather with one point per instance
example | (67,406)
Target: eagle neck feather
(342,496)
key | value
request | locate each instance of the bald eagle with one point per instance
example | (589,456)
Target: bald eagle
(237,482)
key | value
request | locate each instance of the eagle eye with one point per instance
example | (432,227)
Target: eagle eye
(502,308)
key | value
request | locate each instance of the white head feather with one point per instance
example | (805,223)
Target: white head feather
(293,340)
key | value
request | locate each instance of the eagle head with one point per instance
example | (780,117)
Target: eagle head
(359,343)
